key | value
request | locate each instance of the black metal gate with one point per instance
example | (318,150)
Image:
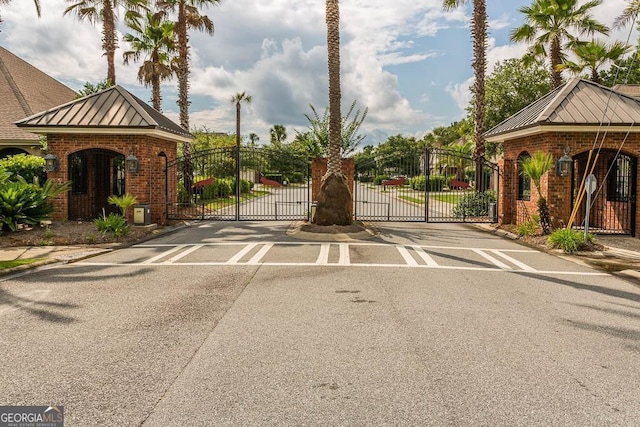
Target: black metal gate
(613,204)
(252,183)
(429,185)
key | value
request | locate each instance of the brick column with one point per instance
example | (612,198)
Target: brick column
(319,168)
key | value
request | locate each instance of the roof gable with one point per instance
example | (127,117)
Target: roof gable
(113,110)
(24,90)
(579,103)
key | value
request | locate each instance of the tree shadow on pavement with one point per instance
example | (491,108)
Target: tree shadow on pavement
(36,307)
(631,296)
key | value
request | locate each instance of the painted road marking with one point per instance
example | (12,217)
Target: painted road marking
(499,258)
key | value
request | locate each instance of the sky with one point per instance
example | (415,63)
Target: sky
(407,61)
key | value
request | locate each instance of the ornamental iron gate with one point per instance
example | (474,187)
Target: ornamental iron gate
(431,185)
(613,204)
(252,183)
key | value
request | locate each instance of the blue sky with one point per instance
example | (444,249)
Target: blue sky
(408,61)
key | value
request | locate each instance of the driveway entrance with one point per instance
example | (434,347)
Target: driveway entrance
(255,183)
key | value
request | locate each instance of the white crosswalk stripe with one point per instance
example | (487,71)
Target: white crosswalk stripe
(342,254)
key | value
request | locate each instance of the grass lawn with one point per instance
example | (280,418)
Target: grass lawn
(440,197)
(17,262)
(228,201)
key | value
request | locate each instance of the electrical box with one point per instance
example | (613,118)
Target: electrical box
(142,215)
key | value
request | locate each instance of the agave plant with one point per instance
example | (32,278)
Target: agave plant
(24,203)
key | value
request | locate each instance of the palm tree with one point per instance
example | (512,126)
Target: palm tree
(156,39)
(549,26)
(105,11)
(238,99)
(189,16)
(629,14)
(35,2)
(334,198)
(592,56)
(278,135)
(479,34)
(253,139)
(534,168)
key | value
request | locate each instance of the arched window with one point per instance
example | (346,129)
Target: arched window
(524,183)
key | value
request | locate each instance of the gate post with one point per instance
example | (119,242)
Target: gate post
(237,182)
(427,176)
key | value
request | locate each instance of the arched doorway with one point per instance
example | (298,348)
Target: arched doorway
(11,151)
(613,204)
(95,174)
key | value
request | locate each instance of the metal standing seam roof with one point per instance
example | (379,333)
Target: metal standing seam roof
(578,103)
(113,110)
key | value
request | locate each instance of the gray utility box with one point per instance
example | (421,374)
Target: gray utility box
(141,214)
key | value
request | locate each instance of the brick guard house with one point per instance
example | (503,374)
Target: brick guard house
(574,118)
(91,139)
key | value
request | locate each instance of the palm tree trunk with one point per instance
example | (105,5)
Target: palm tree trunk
(156,99)
(556,59)
(109,39)
(479,33)
(183,91)
(334,200)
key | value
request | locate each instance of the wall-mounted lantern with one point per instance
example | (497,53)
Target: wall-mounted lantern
(132,163)
(50,163)
(564,165)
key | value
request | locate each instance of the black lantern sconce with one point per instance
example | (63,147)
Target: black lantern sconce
(50,163)
(564,165)
(132,163)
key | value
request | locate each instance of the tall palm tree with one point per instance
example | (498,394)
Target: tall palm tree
(629,14)
(479,34)
(278,134)
(334,198)
(156,39)
(35,2)
(253,139)
(550,26)
(238,99)
(592,56)
(534,168)
(189,16)
(105,11)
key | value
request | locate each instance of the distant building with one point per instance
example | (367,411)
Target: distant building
(24,91)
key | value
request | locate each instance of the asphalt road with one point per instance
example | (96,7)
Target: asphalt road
(240,324)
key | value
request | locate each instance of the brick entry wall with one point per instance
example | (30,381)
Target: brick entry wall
(319,168)
(147,184)
(556,189)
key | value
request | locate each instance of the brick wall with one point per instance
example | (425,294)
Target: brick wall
(147,184)
(556,189)
(319,168)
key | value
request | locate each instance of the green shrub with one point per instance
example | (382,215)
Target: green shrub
(474,204)
(377,180)
(436,182)
(296,178)
(220,187)
(24,203)
(113,223)
(183,195)
(568,240)
(27,166)
(529,228)
(365,178)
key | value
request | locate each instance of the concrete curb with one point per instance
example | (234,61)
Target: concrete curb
(295,231)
